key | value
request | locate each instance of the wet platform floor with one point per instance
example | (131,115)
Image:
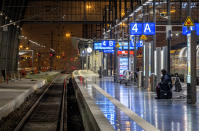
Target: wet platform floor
(166,115)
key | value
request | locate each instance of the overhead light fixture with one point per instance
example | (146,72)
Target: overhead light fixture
(88,6)
(68,35)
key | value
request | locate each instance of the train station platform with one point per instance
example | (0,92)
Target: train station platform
(14,92)
(136,109)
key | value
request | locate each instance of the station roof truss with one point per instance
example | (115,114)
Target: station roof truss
(92,11)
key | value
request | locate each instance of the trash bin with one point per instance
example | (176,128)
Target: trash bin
(140,79)
(152,82)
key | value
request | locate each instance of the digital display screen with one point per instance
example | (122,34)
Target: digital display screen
(123,65)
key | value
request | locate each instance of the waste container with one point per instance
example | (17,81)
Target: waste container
(152,82)
(140,79)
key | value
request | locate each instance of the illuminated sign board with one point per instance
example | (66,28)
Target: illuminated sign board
(197,28)
(98,46)
(142,28)
(108,51)
(149,29)
(123,65)
(124,52)
(108,43)
(186,30)
(124,45)
(139,44)
(135,28)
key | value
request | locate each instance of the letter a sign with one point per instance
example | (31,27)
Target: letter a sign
(149,29)
(142,28)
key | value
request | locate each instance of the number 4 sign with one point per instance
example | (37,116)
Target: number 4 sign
(136,29)
(142,28)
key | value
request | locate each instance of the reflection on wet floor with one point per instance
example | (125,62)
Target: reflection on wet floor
(118,119)
(166,115)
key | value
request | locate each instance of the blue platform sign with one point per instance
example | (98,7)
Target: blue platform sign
(186,30)
(149,29)
(142,28)
(108,51)
(108,43)
(138,44)
(197,28)
(135,28)
(98,46)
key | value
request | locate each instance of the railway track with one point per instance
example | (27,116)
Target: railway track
(47,113)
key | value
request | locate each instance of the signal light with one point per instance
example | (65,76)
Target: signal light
(39,54)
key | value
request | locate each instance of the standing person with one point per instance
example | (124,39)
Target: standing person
(178,86)
(163,89)
(136,75)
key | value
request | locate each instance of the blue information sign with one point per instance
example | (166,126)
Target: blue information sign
(135,28)
(149,29)
(197,28)
(186,30)
(108,43)
(108,51)
(142,28)
(138,44)
(98,46)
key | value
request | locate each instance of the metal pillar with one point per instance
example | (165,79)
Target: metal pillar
(115,4)
(51,57)
(39,63)
(120,9)
(135,54)
(32,61)
(132,1)
(84,10)
(153,45)
(105,18)
(11,54)
(116,39)
(128,44)
(191,64)
(115,58)
(169,35)
(5,49)
(125,7)
(1,44)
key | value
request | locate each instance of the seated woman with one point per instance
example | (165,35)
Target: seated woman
(163,89)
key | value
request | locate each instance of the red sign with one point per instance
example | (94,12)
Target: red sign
(124,52)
